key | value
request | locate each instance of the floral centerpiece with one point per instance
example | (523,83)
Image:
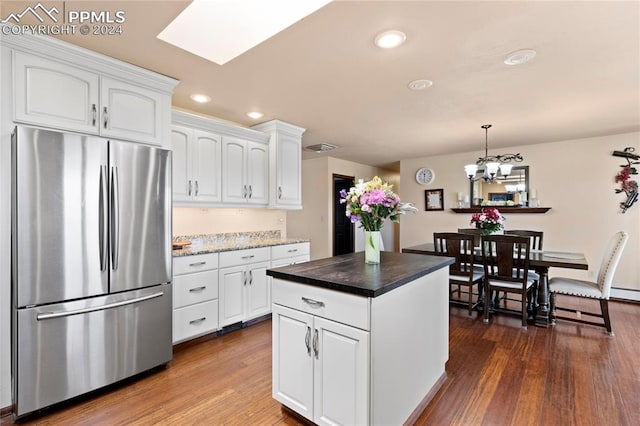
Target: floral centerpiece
(371,204)
(489,220)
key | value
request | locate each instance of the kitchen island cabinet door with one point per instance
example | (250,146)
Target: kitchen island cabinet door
(341,374)
(293,359)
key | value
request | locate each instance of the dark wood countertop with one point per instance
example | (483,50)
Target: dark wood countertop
(349,274)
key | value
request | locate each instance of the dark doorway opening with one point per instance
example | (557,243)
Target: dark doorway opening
(343,229)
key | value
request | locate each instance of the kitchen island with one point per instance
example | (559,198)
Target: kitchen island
(360,344)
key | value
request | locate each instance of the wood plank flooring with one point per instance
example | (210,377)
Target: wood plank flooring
(498,374)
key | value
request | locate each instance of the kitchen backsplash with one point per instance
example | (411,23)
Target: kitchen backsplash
(205,221)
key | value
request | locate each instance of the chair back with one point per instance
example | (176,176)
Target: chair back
(534,236)
(477,234)
(458,246)
(506,258)
(610,262)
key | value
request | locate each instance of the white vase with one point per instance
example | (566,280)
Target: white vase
(372,247)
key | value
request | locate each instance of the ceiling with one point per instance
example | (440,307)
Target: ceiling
(325,74)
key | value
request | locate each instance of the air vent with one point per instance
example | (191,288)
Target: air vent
(321,147)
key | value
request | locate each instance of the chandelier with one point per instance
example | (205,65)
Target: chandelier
(492,163)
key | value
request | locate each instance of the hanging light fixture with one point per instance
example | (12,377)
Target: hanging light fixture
(492,163)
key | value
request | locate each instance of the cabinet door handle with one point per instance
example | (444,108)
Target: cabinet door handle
(189,189)
(197,289)
(94,114)
(279,192)
(244,191)
(292,250)
(250,277)
(250,256)
(313,303)
(198,264)
(316,345)
(244,278)
(250,191)
(197,188)
(197,321)
(307,340)
(105,117)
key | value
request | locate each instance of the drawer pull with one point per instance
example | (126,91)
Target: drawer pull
(198,264)
(197,289)
(313,303)
(197,321)
(292,250)
(249,256)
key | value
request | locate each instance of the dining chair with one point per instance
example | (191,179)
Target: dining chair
(462,272)
(506,268)
(477,234)
(535,236)
(598,290)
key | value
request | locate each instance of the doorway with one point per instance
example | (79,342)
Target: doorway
(343,229)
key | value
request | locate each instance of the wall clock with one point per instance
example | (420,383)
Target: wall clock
(425,176)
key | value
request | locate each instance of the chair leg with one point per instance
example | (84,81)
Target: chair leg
(552,308)
(523,307)
(487,294)
(470,300)
(604,306)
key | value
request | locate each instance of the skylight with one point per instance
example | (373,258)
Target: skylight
(221,30)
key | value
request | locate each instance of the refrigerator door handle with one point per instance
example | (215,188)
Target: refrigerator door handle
(102,221)
(51,315)
(115,219)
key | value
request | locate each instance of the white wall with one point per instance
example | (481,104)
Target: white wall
(194,221)
(575,178)
(315,220)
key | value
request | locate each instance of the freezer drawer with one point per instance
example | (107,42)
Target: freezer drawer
(67,349)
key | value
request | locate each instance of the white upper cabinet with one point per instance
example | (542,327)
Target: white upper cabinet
(245,171)
(61,86)
(285,159)
(130,112)
(53,94)
(196,165)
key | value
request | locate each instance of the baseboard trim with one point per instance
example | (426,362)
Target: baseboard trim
(5,411)
(625,294)
(415,415)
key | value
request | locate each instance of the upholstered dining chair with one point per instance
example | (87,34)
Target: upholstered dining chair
(477,234)
(462,272)
(535,236)
(506,268)
(598,290)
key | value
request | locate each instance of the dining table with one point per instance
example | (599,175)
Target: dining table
(540,261)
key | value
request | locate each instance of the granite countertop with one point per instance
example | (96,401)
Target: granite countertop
(215,243)
(349,273)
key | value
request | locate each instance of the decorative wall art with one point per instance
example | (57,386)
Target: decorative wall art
(627,185)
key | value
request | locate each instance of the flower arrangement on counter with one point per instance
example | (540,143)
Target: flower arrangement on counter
(489,220)
(372,203)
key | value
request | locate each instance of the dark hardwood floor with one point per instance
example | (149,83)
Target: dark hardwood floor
(498,374)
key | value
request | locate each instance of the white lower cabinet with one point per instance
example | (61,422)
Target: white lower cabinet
(245,291)
(195,296)
(320,367)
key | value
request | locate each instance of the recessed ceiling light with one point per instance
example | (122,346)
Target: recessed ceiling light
(390,39)
(255,115)
(420,84)
(200,98)
(520,57)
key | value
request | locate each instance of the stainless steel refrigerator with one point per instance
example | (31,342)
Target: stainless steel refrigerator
(91,264)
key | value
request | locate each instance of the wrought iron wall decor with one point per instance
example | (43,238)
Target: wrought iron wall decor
(627,185)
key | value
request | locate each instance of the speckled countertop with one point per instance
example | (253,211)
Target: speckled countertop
(214,243)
